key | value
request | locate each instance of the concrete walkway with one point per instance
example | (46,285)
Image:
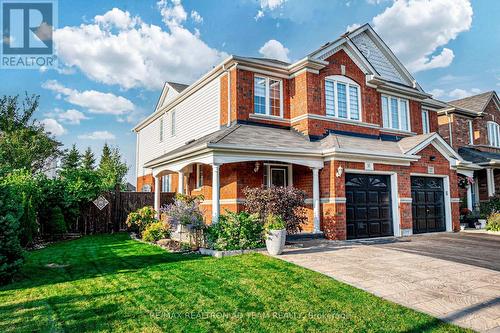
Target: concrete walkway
(464,294)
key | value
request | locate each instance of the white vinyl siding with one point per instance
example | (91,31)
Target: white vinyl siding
(425,122)
(161,129)
(196,116)
(395,113)
(268,96)
(493,134)
(342,97)
(471,132)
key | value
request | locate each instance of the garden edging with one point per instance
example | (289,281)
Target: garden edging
(220,254)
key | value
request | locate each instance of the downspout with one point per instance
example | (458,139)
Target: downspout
(227,70)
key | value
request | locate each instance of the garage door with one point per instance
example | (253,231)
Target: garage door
(427,204)
(368,206)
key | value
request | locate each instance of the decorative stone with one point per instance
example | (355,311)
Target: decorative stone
(101,202)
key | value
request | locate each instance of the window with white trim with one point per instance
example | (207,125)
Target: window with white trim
(166,184)
(471,132)
(395,113)
(199,175)
(493,134)
(268,96)
(161,129)
(425,122)
(342,97)
(172,123)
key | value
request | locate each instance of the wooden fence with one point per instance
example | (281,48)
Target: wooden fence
(112,216)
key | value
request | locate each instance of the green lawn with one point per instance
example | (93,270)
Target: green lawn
(112,283)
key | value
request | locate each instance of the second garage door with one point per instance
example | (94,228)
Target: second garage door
(368,206)
(427,195)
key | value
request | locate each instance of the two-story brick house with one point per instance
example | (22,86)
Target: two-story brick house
(471,126)
(348,124)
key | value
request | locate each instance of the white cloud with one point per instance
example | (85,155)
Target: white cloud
(275,50)
(119,49)
(271,4)
(462,93)
(195,16)
(95,101)
(53,127)
(259,15)
(352,27)
(418,30)
(437,93)
(72,116)
(97,135)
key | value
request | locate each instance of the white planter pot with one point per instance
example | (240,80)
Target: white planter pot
(463,226)
(483,223)
(275,241)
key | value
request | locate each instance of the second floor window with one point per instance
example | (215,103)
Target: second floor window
(172,123)
(395,113)
(342,97)
(493,134)
(425,122)
(268,96)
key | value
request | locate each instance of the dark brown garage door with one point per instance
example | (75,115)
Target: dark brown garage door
(427,204)
(368,206)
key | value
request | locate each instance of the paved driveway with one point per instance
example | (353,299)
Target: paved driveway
(453,276)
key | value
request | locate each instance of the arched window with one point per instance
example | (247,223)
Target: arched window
(342,97)
(493,134)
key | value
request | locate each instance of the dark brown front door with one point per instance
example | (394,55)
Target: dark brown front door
(427,195)
(368,206)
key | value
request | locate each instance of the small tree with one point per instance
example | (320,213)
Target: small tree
(72,159)
(111,168)
(88,159)
(286,202)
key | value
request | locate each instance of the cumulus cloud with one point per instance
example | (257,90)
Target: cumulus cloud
(418,30)
(437,93)
(94,101)
(195,16)
(116,48)
(352,27)
(53,127)
(97,135)
(462,93)
(72,116)
(275,50)
(268,5)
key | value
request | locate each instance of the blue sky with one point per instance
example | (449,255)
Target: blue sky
(114,55)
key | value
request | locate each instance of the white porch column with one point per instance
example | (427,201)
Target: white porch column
(316,212)
(157,195)
(490,182)
(470,204)
(181,182)
(215,193)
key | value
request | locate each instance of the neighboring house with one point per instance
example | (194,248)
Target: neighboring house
(471,126)
(348,124)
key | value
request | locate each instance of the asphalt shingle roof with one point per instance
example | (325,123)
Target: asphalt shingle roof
(475,103)
(179,87)
(476,156)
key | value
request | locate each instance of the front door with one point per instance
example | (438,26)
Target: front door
(427,195)
(368,206)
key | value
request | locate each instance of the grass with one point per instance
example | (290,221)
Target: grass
(112,283)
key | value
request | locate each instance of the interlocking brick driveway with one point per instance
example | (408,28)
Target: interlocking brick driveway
(455,277)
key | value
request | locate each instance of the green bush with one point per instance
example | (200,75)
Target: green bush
(493,223)
(155,231)
(274,222)
(56,224)
(235,231)
(11,252)
(488,207)
(139,220)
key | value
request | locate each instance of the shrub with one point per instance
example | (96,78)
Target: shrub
(11,252)
(274,222)
(287,202)
(488,207)
(493,223)
(139,220)
(184,211)
(56,224)
(235,231)
(155,231)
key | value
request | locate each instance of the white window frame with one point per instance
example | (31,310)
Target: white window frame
(348,83)
(399,99)
(425,122)
(199,175)
(493,134)
(471,132)
(268,95)
(172,123)
(161,129)
(267,173)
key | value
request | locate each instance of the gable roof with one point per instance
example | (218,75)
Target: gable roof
(476,103)
(179,87)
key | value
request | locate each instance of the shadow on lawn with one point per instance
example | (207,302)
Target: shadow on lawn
(77,260)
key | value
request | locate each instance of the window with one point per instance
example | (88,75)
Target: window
(172,123)
(425,122)
(493,134)
(277,175)
(161,129)
(268,96)
(342,97)
(395,113)
(166,183)
(471,132)
(199,175)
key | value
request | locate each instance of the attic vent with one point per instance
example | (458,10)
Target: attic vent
(190,141)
